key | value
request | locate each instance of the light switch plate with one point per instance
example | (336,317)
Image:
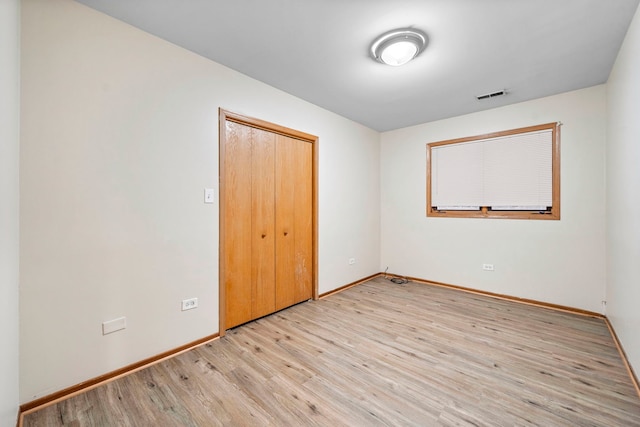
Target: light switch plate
(208,195)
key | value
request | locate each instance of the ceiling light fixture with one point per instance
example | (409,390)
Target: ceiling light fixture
(397,47)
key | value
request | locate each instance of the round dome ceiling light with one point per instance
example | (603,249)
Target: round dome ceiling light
(398,47)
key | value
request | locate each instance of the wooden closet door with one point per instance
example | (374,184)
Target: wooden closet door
(237,237)
(263,201)
(267,243)
(293,221)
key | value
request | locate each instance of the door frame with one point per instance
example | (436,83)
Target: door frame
(223,117)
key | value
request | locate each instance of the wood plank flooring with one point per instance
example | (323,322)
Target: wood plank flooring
(379,354)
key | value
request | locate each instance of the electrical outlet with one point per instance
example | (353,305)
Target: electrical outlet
(189,304)
(487,267)
(352,261)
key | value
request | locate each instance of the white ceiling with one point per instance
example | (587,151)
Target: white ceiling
(318,49)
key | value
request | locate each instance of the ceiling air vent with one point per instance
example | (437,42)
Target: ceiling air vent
(491,95)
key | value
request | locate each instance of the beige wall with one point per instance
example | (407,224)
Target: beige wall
(119,139)
(9,203)
(623,195)
(560,262)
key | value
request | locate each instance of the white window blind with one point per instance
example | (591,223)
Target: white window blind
(512,172)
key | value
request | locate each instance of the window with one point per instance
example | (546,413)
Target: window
(509,174)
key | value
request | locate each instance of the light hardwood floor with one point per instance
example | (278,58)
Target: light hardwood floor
(379,354)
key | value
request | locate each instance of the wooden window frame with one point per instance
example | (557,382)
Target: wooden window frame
(485,211)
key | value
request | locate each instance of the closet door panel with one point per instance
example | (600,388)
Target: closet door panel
(285,221)
(303,221)
(262,223)
(237,224)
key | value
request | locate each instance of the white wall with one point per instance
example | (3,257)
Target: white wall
(560,262)
(9,204)
(119,139)
(623,195)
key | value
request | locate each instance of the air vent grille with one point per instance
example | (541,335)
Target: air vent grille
(491,95)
